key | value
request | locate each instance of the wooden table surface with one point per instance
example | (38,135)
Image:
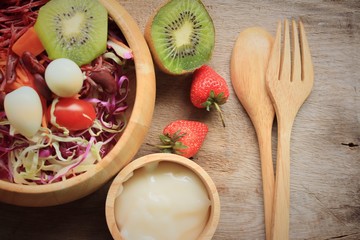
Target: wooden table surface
(325,156)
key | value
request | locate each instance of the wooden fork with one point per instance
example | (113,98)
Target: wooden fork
(289,80)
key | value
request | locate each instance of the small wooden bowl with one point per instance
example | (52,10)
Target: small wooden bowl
(142,95)
(214,216)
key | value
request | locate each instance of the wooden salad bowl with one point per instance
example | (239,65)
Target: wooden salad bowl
(214,215)
(141,106)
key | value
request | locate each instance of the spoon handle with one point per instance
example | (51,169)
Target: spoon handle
(267,171)
(281,205)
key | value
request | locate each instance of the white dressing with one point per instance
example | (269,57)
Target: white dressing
(162,201)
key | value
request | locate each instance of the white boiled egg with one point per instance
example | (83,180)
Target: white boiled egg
(64,77)
(23,109)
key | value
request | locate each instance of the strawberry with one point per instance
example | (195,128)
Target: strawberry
(208,89)
(183,137)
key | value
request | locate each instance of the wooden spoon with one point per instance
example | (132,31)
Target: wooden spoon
(249,62)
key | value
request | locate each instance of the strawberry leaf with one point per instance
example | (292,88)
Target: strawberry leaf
(165,139)
(171,144)
(166,150)
(215,100)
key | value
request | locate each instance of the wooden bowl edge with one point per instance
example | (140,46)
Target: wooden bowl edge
(139,123)
(214,217)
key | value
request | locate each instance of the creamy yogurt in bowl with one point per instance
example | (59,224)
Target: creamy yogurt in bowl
(162,196)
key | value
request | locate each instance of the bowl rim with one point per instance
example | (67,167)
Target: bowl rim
(124,174)
(134,133)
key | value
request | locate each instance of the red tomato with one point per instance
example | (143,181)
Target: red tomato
(73,114)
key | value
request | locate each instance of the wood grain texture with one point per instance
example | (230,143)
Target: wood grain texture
(325,166)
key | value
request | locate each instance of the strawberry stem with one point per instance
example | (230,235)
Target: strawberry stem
(217,107)
(160,146)
(216,101)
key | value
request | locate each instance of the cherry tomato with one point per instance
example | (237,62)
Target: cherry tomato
(73,114)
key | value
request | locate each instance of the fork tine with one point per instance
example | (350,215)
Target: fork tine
(274,60)
(286,54)
(307,66)
(296,57)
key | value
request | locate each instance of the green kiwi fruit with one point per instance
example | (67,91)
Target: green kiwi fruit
(74,29)
(181,36)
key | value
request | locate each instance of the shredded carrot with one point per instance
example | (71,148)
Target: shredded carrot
(28,42)
(3,56)
(21,74)
(44,121)
(22,79)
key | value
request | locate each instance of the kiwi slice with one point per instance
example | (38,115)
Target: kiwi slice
(74,29)
(181,36)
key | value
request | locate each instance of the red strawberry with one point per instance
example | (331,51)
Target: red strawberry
(208,89)
(183,137)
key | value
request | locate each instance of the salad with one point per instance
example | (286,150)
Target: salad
(77,125)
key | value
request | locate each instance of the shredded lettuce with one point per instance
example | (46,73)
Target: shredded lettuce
(55,154)
(51,157)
